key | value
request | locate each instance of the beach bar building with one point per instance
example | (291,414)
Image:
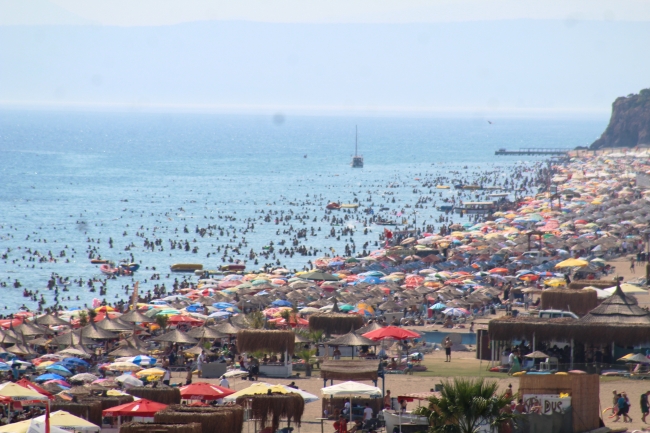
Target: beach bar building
(614,325)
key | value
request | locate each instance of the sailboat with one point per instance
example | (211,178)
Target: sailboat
(357,160)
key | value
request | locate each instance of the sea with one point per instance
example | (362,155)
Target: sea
(74,181)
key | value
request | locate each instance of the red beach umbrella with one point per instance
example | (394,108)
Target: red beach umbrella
(142,407)
(391,332)
(204,391)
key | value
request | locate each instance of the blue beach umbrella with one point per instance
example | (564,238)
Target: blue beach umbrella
(58,369)
(4,366)
(222,305)
(438,306)
(220,314)
(281,303)
(48,376)
(142,360)
(73,362)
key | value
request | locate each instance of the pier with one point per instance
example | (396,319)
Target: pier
(533,151)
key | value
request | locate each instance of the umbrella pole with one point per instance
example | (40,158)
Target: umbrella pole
(571,364)
(47,416)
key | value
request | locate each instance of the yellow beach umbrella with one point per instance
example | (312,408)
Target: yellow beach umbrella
(572,263)
(156,372)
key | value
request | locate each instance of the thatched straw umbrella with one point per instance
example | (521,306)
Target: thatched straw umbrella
(276,406)
(197,350)
(114,325)
(369,327)
(93,332)
(352,339)
(227,328)
(335,323)
(300,339)
(205,332)
(135,316)
(128,350)
(175,336)
(51,320)
(32,330)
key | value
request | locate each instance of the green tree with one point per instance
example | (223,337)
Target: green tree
(91,315)
(305,355)
(255,320)
(464,404)
(83,318)
(316,336)
(162,321)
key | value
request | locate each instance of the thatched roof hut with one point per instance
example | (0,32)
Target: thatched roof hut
(618,309)
(88,410)
(276,406)
(220,419)
(508,328)
(335,323)
(579,301)
(138,427)
(349,370)
(253,340)
(164,395)
(599,284)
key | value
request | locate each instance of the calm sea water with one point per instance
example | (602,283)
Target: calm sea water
(71,181)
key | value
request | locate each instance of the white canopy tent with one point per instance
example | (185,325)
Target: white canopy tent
(351,389)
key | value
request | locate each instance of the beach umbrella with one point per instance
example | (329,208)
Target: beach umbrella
(141,408)
(58,369)
(262,388)
(438,306)
(281,303)
(391,332)
(135,316)
(536,354)
(638,358)
(142,360)
(176,336)
(129,380)
(29,385)
(319,276)
(123,366)
(150,372)
(83,377)
(73,361)
(48,376)
(456,312)
(572,263)
(204,391)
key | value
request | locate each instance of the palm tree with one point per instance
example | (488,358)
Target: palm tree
(83,318)
(162,321)
(256,320)
(305,355)
(464,405)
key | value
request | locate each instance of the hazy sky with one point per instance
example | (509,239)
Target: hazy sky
(519,57)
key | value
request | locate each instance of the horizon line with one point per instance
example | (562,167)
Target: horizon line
(308,110)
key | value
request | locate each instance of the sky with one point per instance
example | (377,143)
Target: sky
(432,57)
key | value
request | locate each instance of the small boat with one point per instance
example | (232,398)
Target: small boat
(108,269)
(357,160)
(395,419)
(442,186)
(233,268)
(472,187)
(349,205)
(332,205)
(386,223)
(130,266)
(445,208)
(186,267)
(207,272)
(99,261)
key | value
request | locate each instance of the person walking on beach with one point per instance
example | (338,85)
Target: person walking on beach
(644,405)
(448,343)
(632,264)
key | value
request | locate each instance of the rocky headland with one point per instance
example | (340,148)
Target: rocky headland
(629,125)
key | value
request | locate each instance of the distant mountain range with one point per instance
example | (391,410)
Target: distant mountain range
(629,125)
